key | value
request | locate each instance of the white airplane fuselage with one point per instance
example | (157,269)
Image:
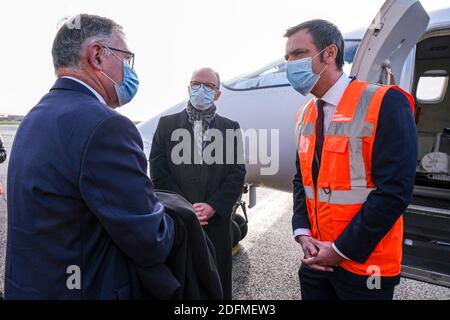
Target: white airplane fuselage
(263,100)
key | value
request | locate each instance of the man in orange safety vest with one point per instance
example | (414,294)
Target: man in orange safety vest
(356,161)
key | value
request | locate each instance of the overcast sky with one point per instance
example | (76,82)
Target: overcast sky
(171,38)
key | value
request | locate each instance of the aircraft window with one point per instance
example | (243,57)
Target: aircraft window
(274,75)
(432,87)
(349,54)
(271,76)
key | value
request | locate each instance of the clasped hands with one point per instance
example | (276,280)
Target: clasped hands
(319,255)
(204,212)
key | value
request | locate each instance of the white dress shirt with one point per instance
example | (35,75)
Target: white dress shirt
(331,99)
(99,97)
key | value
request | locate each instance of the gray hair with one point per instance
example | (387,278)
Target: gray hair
(78,31)
(324,34)
(218,79)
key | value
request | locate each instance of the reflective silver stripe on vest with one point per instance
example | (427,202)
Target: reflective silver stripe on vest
(303,129)
(309,192)
(307,129)
(358,126)
(355,130)
(355,196)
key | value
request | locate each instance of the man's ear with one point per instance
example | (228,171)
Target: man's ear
(218,94)
(330,54)
(94,52)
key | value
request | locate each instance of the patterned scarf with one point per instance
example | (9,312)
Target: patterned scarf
(200,121)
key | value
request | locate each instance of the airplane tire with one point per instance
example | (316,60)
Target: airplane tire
(236,233)
(243,226)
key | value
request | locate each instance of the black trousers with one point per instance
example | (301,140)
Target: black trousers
(342,285)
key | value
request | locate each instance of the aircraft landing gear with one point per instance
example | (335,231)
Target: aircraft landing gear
(239,223)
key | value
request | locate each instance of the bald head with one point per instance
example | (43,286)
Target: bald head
(206,75)
(204,79)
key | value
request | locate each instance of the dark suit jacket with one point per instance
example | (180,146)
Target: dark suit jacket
(393,171)
(78,195)
(219,185)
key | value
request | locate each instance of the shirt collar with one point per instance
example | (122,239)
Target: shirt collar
(335,93)
(97,95)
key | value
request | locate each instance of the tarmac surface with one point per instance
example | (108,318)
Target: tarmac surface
(267,264)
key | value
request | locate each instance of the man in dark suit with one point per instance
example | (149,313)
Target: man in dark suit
(356,168)
(199,167)
(81,209)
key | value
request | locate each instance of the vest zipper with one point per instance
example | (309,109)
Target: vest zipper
(316,195)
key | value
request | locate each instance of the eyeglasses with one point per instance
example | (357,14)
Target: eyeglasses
(130,59)
(195,85)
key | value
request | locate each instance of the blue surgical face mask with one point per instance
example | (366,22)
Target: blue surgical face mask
(128,88)
(201,98)
(301,76)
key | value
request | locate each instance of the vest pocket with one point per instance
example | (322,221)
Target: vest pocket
(341,215)
(336,144)
(335,165)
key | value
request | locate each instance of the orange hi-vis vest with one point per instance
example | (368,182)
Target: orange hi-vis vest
(345,175)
